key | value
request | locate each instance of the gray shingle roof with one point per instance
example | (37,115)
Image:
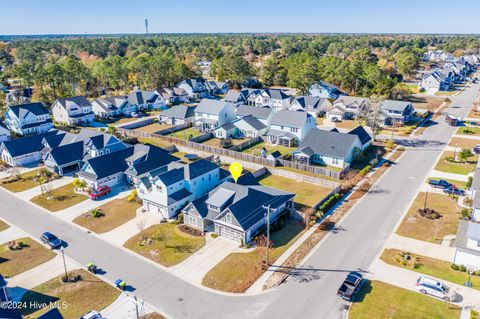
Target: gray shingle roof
(362,134)
(22,110)
(394,105)
(328,143)
(290,118)
(70,101)
(312,103)
(473,231)
(233,96)
(259,112)
(142,97)
(351,100)
(253,122)
(179,112)
(211,106)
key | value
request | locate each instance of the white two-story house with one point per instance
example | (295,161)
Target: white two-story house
(195,88)
(396,112)
(288,128)
(146,100)
(347,108)
(168,191)
(25,119)
(112,106)
(211,114)
(73,111)
(274,98)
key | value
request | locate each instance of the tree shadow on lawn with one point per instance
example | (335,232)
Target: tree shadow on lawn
(36,301)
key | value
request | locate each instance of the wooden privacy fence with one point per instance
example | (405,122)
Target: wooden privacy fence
(174,129)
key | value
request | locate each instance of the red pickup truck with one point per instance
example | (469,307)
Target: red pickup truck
(99,192)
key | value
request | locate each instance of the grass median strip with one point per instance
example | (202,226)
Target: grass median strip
(429,266)
(59,198)
(32,254)
(380,300)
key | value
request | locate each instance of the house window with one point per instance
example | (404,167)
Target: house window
(228,218)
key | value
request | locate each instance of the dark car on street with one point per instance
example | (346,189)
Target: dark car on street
(51,240)
(350,286)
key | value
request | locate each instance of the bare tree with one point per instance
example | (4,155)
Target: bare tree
(47,189)
(263,245)
(374,120)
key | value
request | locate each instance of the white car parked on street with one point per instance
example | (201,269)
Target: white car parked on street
(427,285)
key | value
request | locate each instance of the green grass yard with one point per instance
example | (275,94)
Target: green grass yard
(61,198)
(186,134)
(256,149)
(456,168)
(466,130)
(238,271)
(25,181)
(169,246)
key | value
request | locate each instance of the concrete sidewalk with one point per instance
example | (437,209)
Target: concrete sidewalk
(30,279)
(470,137)
(195,267)
(420,247)
(11,233)
(125,307)
(407,279)
(457,177)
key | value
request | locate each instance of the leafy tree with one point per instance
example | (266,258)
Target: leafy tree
(234,69)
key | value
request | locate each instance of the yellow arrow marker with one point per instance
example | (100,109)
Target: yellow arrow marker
(236,170)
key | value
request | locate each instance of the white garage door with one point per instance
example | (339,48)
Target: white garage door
(231,234)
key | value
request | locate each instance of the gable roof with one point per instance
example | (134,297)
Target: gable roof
(328,143)
(68,102)
(108,164)
(26,145)
(253,122)
(148,158)
(234,96)
(394,105)
(362,134)
(290,118)
(312,102)
(22,110)
(67,153)
(276,94)
(248,201)
(111,103)
(351,100)
(247,179)
(258,112)
(179,112)
(142,97)
(210,106)
(193,82)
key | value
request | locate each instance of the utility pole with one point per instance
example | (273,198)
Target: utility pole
(64,263)
(136,307)
(425,203)
(268,230)
(146,26)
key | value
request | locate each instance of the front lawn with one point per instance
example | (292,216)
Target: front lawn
(467,130)
(186,134)
(429,266)
(114,214)
(238,271)
(457,167)
(153,128)
(306,194)
(427,103)
(14,262)
(380,300)
(169,245)
(418,227)
(90,293)
(461,143)
(25,181)
(123,120)
(256,149)
(59,198)
(347,124)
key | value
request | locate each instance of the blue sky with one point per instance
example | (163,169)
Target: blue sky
(122,16)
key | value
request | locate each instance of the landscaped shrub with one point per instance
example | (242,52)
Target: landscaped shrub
(429,213)
(466,213)
(180,218)
(469,182)
(329,202)
(132,195)
(449,159)
(214,235)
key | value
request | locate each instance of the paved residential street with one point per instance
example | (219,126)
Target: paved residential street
(311,291)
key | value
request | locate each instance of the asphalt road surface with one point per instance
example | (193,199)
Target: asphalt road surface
(311,293)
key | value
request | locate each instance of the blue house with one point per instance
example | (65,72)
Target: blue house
(325,90)
(31,118)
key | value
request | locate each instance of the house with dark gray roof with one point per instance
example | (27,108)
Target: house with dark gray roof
(235,97)
(347,108)
(328,148)
(288,128)
(26,119)
(211,114)
(195,88)
(263,114)
(166,192)
(113,106)
(237,212)
(435,81)
(66,153)
(75,110)
(172,95)
(362,134)
(325,90)
(216,87)
(313,105)
(178,114)
(146,100)
(397,112)
(25,150)
(277,99)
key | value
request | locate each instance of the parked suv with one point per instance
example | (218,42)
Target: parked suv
(427,285)
(51,240)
